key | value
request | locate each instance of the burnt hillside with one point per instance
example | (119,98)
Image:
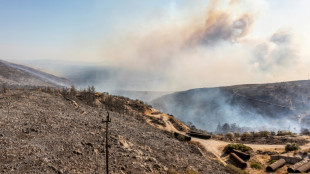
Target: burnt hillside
(247,105)
(53,131)
(15,75)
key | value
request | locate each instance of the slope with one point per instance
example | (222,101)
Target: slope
(19,75)
(62,132)
(256,106)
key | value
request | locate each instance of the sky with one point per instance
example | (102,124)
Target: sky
(175,44)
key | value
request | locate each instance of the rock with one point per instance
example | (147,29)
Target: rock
(124,143)
(77,152)
(96,151)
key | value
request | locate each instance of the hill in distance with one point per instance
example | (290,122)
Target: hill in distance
(61,130)
(275,106)
(16,75)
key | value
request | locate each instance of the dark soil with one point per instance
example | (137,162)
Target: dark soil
(46,133)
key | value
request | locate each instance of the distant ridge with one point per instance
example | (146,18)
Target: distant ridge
(272,106)
(19,75)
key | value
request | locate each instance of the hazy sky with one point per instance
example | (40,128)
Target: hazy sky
(70,29)
(186,43)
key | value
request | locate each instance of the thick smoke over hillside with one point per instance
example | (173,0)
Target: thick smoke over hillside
(267,107)
(186,48)
(210,48)
(215,47)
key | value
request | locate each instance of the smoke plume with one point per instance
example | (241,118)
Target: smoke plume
(278,51)
(212,48)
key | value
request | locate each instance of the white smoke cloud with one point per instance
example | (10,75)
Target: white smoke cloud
(278,51)
(213,48)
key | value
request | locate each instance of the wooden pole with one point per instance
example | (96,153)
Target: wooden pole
(107,143)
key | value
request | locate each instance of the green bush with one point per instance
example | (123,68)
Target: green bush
(291,147)
(272,161)
(240,147)
(256,165)
(234,170)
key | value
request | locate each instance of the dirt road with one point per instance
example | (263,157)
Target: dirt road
(165,118)
(214,146)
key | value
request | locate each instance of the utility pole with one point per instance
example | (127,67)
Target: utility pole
(107,142)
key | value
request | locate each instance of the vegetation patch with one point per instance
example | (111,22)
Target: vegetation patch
(177,124)
(181,137)
(285,133)
(291,147)
(240,147)
(158,121)
(172,171)
(235,170)
(272,161)
(189,171)
(256,165)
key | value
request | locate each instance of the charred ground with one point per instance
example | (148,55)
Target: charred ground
(15,76)
(53,131)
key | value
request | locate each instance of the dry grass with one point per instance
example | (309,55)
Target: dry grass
(256,165)
(189,171)
(235,170)
(172,171)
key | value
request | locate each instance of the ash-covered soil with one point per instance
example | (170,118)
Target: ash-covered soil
(45,133)
(14,75)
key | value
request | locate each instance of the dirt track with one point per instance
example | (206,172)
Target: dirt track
(213,146)
(216,147)
(155,113)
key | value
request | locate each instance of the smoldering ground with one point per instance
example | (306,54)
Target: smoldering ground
(251,111)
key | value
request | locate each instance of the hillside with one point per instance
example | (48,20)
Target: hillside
(53,131)
(273,106)
(18,75)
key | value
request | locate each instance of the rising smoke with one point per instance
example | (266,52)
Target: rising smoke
(208,107)
(213,48)
(278,51)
